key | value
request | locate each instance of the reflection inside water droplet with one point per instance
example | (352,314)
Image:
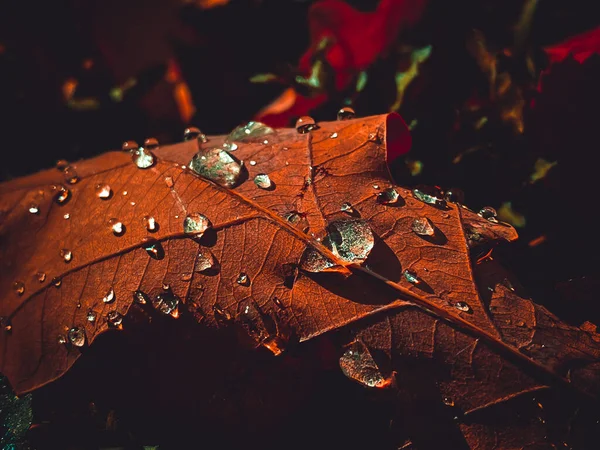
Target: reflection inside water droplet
(103,191)
(358,364)
(91,316)
(66,255)
(346,113)
(150,224)
(196,223)
(77,336)
(143,158)
(306,124)
(432,195)
(34,208)
(154,248)
(388,197)
(114,319)
(61,194)
(219,166)
(110,296)
(411,276)
(250,132)
(41,277)
(243,279)
(462,306)
(423,227)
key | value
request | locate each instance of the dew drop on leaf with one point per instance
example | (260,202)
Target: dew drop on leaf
(103,191)
(351,240)
(34,208)
(19,287)
(140,297)
(150,224)
(143,158)
(333,135)
(192,133)
(70,175)
(66,255)
(204,261)
(346,113)
(423,227)
(114,318)
(56,282)
(358,364)
(117,227)
(67,216)
(62,194)
(388,197)
(77,336)
(411,276)
(489,213)
(217,165)
(110,296)
(169,182)
(431,195)
(263,181)
(91,316)
(243,279)
(62,339)
(313,261)
(62,164)
(196,223)
(221,316)
(462,306)
(166,303)
(250,132)
(455,195)
(41,276)
(154,248)
(250,319)
(306,124)
(129,146)
(252,163)
(151,144)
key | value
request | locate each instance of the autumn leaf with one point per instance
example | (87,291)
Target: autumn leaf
(308,236)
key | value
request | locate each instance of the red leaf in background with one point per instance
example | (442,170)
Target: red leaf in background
(581,47)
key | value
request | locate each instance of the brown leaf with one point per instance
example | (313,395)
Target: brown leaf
(258,266)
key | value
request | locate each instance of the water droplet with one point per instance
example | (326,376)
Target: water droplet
(252,163)
(251,320)
(333,135)
(455,195)
(150,224)
(388,197)
(196,223)
(251,132)
(313,261)
(346,113)
(66,255)
(204,261)
(62,340)
(41,276)
(431,195)
(70,174)
(423,227)
(448,401)
(34,209)
(347,207)
(91,316)
(243,279)
(77,336)
(166,302)
(358,364)
(376,186)
(117,227)
(56,282)
(143,158)
(110,296)
(191,133)
(221,316)
(263,181)
(151,144)
(154,248)
(217,165)
(129,146)
(351,240)
(62,194)
(169,182)
(103,191)
(462,306)
(62,164)
(114,319)
(140,297)
(67,216)
(19,287)
(5,324)
(489,213)
(306,124)
(278,302)
(411,276)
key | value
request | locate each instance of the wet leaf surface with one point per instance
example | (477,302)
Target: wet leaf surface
(456,338)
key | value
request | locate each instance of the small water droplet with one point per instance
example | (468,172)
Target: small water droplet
(116,226)
(62,340)
(252,163)
(34,208)
(70,174)
(151,143)
(41,276)
(129,146)
(150,224)
(66,255)
(204,261)
(169,182)
(333,135)
(278,302)
(411,276)
(66,216)
(62,164)
(154,248)
(110,296)
(358,364)
(143,158)
(124,192)
(114,319)
(347,207)
(432,195)
(166,303)
(56,282)
(346,113)
(103,191)
(196,223)
(221,316)
(388,197)
(243,279)
(306,124)
(219,166)
(250,132)
(423,227)
(489,213)
(62,194)
(462,306)
(140,297)
(263,181)
(455,195)
(191,133)
(376,187)
(91,316)
(77,336)
(251,320)
(5,324)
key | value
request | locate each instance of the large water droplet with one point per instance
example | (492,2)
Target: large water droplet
(250,319)
(306,124)
(154,248)
(388,197)
(143,158)
(423,227)
(204,261)
(91,316)
(313,261)
(19,287)
(62,194)
(462,306)
(191,133)
(116,226)
(351,240)
(196,223)
(217,165)
(432,195)
(411,276)
(110,296)
(489,213)
(103,191)
(166,302)
(140,297)
(77,336)
(263,181)
(34,208)
(455,195)
(251,132)
(129,146)
(66,255)
(358,364)
(114,319)
(41,276)
(346,113)
(70,175)
(150,223)
(243,279)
